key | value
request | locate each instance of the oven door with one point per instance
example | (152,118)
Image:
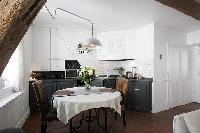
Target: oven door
(71,73)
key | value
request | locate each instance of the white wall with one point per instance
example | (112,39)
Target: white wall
(162,92)
(188,71)
(197,74)
(15,113)
(193,40)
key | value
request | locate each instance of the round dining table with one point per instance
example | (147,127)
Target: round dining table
(69,106)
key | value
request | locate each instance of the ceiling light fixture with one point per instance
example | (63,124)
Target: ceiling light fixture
(90,42)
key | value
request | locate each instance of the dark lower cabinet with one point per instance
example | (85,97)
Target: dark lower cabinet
(110,83)
(139,96)
(66,83)
(105,82)
(98,83)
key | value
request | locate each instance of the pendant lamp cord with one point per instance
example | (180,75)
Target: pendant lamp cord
(92,30)
(55,12)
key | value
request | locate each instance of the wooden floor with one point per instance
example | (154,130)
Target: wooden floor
(136,122)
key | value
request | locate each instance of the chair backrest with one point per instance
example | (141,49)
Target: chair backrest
(122,87)
(40,92)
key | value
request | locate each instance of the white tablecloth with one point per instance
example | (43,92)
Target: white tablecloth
(68,106)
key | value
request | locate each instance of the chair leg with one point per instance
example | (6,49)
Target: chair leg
(90,113)
(124,118)
(116,115)
(106,125)
(43,127)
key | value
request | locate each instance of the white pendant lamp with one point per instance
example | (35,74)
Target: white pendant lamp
(92,42)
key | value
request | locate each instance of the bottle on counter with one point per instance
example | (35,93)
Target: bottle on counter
(135,71)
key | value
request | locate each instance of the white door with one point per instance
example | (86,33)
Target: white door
(197,74)
(187,70)
(174,75)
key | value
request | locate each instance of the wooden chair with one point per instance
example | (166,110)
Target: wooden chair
(47,113)
(122,87)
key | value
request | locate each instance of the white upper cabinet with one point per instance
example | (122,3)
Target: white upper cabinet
(117,45)
(41,65)
(128,44)
(41,43)
(114,46)
(41,49)
(193,38)
(57,50)
(57,65)
(57,44)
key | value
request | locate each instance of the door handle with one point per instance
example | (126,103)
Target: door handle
(136,89)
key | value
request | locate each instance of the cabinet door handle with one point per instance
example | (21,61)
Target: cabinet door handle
(136,89)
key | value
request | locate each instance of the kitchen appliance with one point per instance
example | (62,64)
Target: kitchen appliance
(72,64)
(72,73)
(72,68)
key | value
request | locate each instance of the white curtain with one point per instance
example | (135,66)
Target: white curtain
(12,76)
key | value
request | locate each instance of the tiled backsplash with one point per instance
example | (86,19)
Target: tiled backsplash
(103,67)
(145,68)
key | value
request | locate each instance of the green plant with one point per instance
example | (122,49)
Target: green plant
(120,70)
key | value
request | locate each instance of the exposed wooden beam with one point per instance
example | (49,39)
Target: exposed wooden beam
(198,1)
(188,7)
(16,17)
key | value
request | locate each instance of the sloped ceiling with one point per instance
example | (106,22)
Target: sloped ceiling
(111,15)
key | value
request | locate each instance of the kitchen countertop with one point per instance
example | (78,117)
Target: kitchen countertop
(141,80)
(103,78)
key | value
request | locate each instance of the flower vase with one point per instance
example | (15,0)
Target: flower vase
(87,88)
(120,75)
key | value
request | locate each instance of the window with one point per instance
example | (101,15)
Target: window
(10,79)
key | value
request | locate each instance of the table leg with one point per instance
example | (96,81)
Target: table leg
(81,121)
(90,113)
(70,126)
(98,117)
(106,126)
